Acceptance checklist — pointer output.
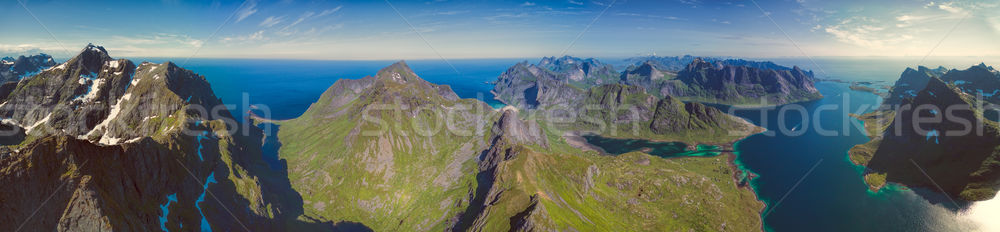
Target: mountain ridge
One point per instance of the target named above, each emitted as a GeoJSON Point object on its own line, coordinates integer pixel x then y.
{"type": "Point", "coordinates": [963, 164]}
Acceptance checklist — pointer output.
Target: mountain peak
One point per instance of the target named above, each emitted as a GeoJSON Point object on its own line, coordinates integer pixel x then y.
{"type": "Point", "coordinates": [91, 58]}
{"type": "Point", "coordinates": [398, 71]}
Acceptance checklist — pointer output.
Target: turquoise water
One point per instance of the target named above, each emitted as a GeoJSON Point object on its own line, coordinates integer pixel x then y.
{"type": "Point", "coordinates": [204, 221]}
{"type": "Point", "coordinates": [165, 210]}
{"type": "Point", "coordinates": [617, 146]}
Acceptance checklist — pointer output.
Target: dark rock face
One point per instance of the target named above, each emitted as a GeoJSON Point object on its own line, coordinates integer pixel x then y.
{"type": "Point", "coordinates": [509, 136]}
{"type": "Point", "coordinates": [71, 98]}
{"type": "Point", "coordinates": [678, 63]}
{"type": "Point", "coordinates": [960, 158]}
{"type": "Point", "coordinates": [645, 75]}
{"type": "Point", "coordinates": [673, 116]}
{"type": "Point", "coordinates": [666, 63]}
{"type": "Point", "coordinates": [911, 82]}
{"type": "Point", "coordinates": [979, 80]}
{"type": "Point", "coordinates": [111, 140]}
{"type": "Point", "coordinates": [734, 84]}
{"type": "Point", "coordinates": [582, 72]}
{"type": "Point", "coordinates": [13, 69]}
{"type": "Point", "coordinates": [527, 86]}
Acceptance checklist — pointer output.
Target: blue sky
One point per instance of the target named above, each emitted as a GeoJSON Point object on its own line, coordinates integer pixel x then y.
{"type": "Point", "coordinates": [432, 29]}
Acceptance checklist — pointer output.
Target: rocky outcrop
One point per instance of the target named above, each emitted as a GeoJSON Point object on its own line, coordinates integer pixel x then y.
{"type": "Point", "coordinates": [980, 81]}
{"type": "Point", "coordinates": [581, 72]}
{"type": "Point", "coordinates": [71, 98]}
{"type": "Point", "coordinates": [911, 82]}
{"type": "Point", "coordinates": [733, 82]}
{"type": "Point", "coordinates": [956, 154]}
{"type": "Point", "coordinates": [704, 81]}
{"type": "Point", "coordinates": [645, 75]}
{"type": "Point", "coordinates": [113, 146]}
{"type": "Point", "coordinates": [14, 69]}
{"type": "Point", "coordinates": [400, 140]}
{"type": "Point", "coordinates": [678, 63]}
{"type": "Point", "coordinates": [509, 136]}
{"type": "Point", "coordinates": [551, 82]}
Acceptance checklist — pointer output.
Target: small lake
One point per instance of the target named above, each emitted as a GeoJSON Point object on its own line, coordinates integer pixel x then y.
{"type": "Point", "coordinates": [616, 146]}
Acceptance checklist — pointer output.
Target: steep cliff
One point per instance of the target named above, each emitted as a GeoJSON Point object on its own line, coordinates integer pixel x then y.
{"type": "Point", "coordinates": [723, 83]}
{"type": "Point", "coordinates": [112, 146]}
{"type": "Point", "coordinates": [937, 139]}
{"type": "Point", "coordinates": [390, 151]}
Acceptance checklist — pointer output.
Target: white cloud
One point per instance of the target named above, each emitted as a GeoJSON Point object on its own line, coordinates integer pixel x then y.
{"type": "Point", "coordinates": [995, 22]}
{"type": "Point", "coordinates": [865, 32]}
{"type": "Point", "coordinates": [301, 19]}
{"type": "Point", "coordinates": [949, 7]}
{"type": "Point", "coordinates": [575, 2]}
{"type": "Point", "coordinates": [329, 11]}
{"type": "Point", "coordinates": [256, 36]}
{"type": "Point", "coordinates": [270, 21]}
{"type": "Point", "coordinates": [21, 49]}
{"type": "Point", "coordinates": [453, 12]}
{"type": "Point", "coordinates": [249, 9]}
{"type": "Point", "coordinates": [158, 39]}
{"type": "Point", "coordinates": [528, 4]}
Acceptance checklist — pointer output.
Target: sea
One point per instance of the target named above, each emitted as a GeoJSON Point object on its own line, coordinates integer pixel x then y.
{"type": "Point", "coordinates": [805, 178]}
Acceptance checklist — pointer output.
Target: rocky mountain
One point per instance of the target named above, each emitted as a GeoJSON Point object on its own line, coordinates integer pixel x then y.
{"type": "Point", "coordinates": [678, 63]}
{"type": "Point", "coordinates": [390, 151]}
{"type": "Point", "coordinates": [649, 77]}
{"type": "Point", "coordinates": [580, 72]}
{"type": "Point", "coordinates": [722, 83]}
{"type": "Point", "coordinates": [958, 154]}
{"type": "Point", "coordinates": [979, 80]}
{"type": "Point", "coordinates": [911, 82]}
{"type": "Point", "coordinates": [13, 69]}
{"type": "Point", "coordinates": [628, 111]}
{"type": "Point", "coordinates": [528, 86]}
{"type": "Point", "coordinates": [109, 145]}
{"type": "Point", "coordinates": [367, 153]}
{"type": "Point", "coordinates": [665, 63]}
{"type": "Point", "coordinates": [732, 82]}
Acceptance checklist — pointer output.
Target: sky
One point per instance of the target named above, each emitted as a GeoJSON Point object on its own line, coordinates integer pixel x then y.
{"type": "Point", "coordinates": [450, 29]}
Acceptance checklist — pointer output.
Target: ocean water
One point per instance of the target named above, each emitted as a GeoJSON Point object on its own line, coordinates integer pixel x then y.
{"type": "Point", "coordinates": [878, 68]}
{"type": "Point", "coordinates": [809, 184]}
{"type": "Point", "coordinates": [286, 88]}
{"type": "Point", "coordinates": [806, 178]}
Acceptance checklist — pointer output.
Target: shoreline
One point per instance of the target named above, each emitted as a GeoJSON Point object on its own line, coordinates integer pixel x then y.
{"type": "Point", "coordinates": [575, 139]}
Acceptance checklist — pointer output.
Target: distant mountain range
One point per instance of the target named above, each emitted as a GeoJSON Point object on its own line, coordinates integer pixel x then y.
{"type": "Point", "coordinates": [678, 63]}
{"type": "Point", "coordinates": [13, 69]}
{"type": "Point", "coordinates": [958, 155]}
{"type": "Point", "coordinates": [733, 82]}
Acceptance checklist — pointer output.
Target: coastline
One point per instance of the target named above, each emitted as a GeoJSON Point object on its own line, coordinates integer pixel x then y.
{"type": "Point", "coordinates": [742, 179]}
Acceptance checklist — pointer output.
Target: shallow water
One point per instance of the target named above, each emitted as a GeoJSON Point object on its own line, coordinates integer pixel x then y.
{"type": "Point", "coordinates": [617, 146]}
